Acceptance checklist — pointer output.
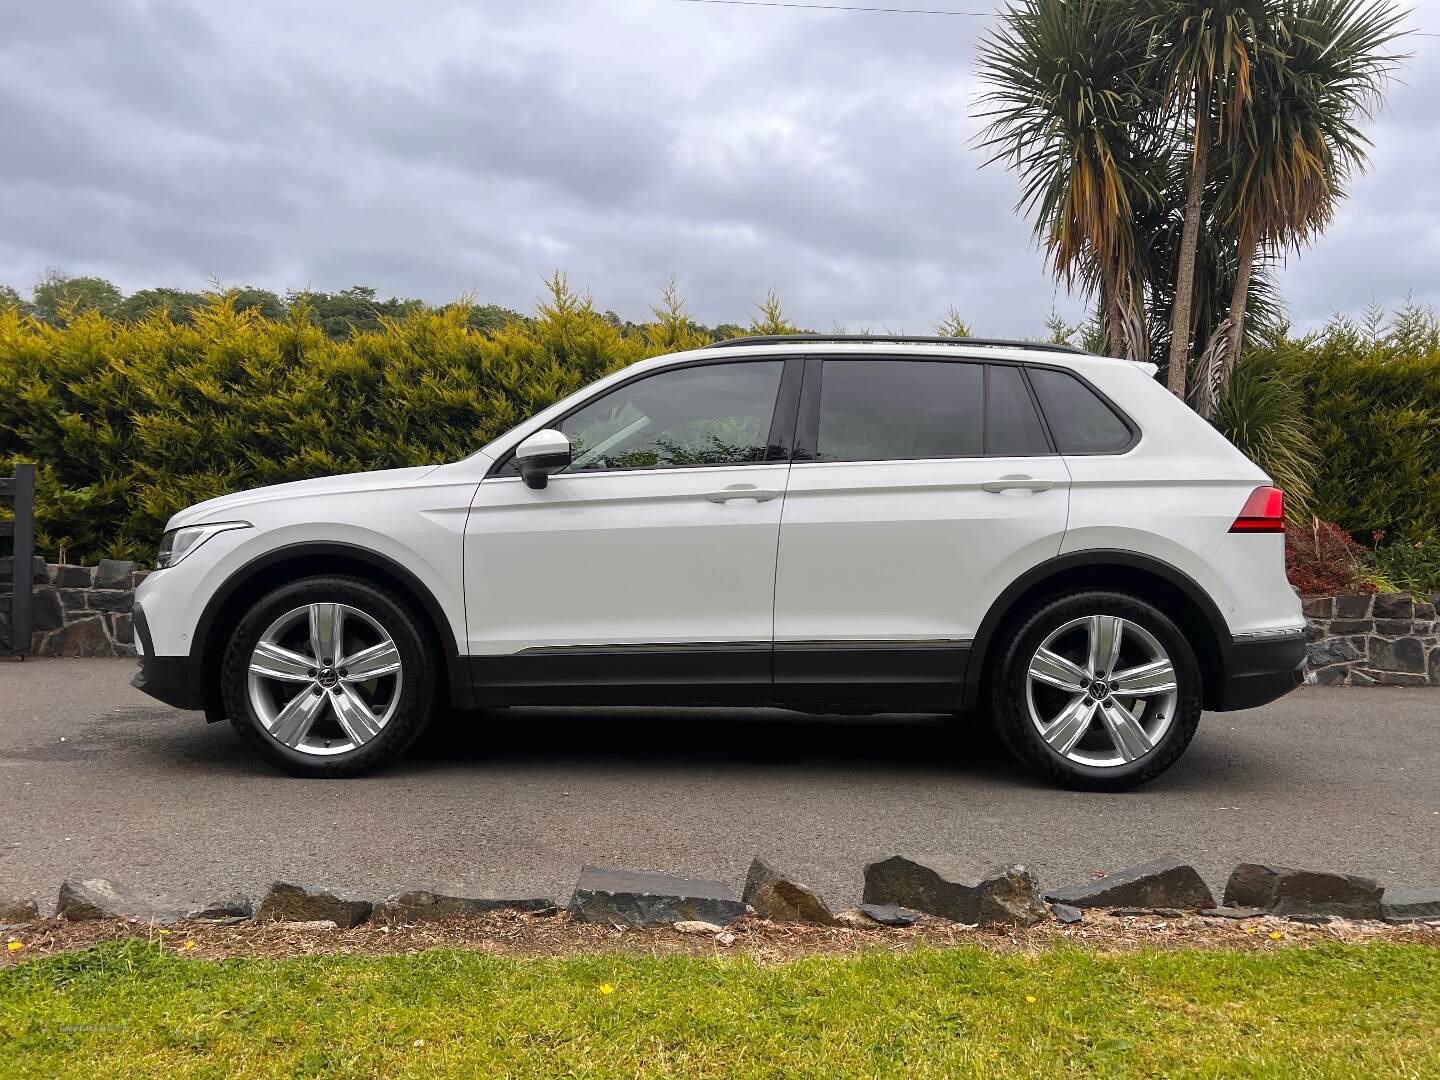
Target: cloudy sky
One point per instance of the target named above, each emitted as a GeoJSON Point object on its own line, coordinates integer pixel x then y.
{"type": "Point", "coordinates": [433, 149]}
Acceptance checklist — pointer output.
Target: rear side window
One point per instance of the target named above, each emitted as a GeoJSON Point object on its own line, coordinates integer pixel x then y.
{"type": "Point", "coordinates": [1080, 420]}
{"type": "Point", "coordinates": [878, 410]}
{"type": "Point", "coordinates": [888, 410]}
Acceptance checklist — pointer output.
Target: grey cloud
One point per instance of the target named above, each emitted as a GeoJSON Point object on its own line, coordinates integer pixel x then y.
{"type": "Point", "coordinates": [445, 148]}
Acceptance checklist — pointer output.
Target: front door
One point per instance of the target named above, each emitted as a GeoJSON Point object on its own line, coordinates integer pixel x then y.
{"type": "Point", "coordinates": [645, 571]}
{"type": "Point", "coordinates": [920, 489]}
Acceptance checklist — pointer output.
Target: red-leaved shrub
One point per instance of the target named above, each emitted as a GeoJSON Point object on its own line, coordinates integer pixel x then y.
{"type": "Point", "coordinates": [1322, 559]}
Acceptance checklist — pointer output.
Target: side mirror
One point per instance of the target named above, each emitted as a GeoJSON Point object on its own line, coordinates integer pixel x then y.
{"type": "Point", "coordinates": [541, 454]}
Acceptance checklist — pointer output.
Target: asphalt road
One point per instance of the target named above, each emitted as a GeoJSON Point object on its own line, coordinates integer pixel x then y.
{"type": "Point", "coordinates": [96, 776]}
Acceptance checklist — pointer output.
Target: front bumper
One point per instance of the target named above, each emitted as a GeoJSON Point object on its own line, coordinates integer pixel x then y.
{"type": "Point", "coordinates": [1260, 670]}
{"type": "Point", "coordinates": [171, 679]}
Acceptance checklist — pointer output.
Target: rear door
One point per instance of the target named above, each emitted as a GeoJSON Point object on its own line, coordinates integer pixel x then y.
{"type": "Point", "coordinates": [920, 488]}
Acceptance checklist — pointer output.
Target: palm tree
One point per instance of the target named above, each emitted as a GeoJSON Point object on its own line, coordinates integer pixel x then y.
{"type": "Point", "coordinates": [1323, 71]}
{"type": "Point", "coordinates": [1064, 109]}
{"type": "Point", "coordinates": [1203, 52]}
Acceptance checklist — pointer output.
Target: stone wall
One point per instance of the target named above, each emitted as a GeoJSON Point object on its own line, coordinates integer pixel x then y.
{"type": "Point", "coordinates": [1364, 639]}
{"type": "Point", "coordinates": [82, 610]}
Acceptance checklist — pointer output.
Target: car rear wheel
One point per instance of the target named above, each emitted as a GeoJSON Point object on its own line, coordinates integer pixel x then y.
{"type": "Point", "coordinates": [329, 676]}
{"type": "Point", "coordinates": [1097, 690]}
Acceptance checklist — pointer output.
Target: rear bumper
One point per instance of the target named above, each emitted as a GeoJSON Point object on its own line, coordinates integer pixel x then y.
{"type": "Point", "coordinates": [1258, 671]}
{"type": "Point", "coordinates": [171, 679]}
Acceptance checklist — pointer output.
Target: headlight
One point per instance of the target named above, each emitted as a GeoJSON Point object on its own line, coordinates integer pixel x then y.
{"type": "Point", "coordinates": [177, 543]}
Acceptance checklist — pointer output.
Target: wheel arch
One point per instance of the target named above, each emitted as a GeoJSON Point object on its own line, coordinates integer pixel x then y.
{"type": "Point", "coordinates": [1171, 590]}
{"type": "Point", "coordinates": [294, 561]}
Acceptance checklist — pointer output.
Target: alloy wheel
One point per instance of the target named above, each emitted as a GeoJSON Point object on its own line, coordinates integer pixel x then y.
{"type": "Point", "coordinates": [325, 678]}
{"type": "Point", "coordinates": [1101, 690]}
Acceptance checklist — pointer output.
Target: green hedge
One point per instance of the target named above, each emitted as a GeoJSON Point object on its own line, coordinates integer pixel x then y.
{"type": "Point", "coordinates": [1375, 419]}
{"type": "Point", "coordinates": [132, 422]}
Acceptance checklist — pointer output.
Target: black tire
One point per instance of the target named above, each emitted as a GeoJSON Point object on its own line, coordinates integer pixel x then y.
{"type": "Point", "coordinates": [417, 689]}
{"type": "Point", "coordinates": [1010, 711]}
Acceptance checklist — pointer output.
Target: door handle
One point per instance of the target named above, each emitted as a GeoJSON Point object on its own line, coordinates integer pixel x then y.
{"type": "Point", "coordinates": [748, 492]}
{"type": "Point", "coordinates": [1017, 482]}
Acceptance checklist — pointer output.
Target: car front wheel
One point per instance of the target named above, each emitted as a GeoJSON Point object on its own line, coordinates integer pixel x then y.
{"type": "Point", "coordinates": [1097, 690]}
{"type": "Point", "coordinates": [328, 676]}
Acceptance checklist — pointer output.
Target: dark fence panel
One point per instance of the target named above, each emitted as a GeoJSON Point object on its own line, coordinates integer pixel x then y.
{"type": "Point", "coordinates": [19, 491]}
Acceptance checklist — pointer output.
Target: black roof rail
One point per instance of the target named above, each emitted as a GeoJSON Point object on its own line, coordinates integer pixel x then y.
{"type": "Point", "coordinates": [890, 339]}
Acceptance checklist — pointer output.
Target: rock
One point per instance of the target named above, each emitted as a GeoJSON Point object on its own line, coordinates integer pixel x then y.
{"type": "Point", "coordinates": [1236, 913]}
{"type": "Point", "coordinates": [1282, 890]}
{"type": "Point", "coordinates": [1435, 667]}
{"type": "Point", "coordinates": [1131, 912]}
{"type": "Point", "coordinates": [1352, 606]}
{"type": "Point", "coordinates": [122, 629]}
{"type": "Point", "coordinates": [775, 896]}
{"type": "Point", "coordinates": [1407, 654]}
{"type": "Point", "coordinates": [84, 899]}
{"type": "Point", "coordinates": [73, 600]}
{"type": "Point", "coordinates": [1408, 905]}
{"type": "Point", "coordinates": [1333, 650]}
{"type": "Point", "coordinates": [114, 574]}
{"type": "Point", "coordinates": [1319, 607]}
{"type": "Point", "coordinates": [1163, 882]}
{"type": "Point", "coordinates": [18, 909]}
{"type": "Point", "coordinates": [74, 577]}
{"type": "Point", "coordinates": [46, 611]}
{"type": "Point", "coordinates": [694, 926]}
{"type": "Point", "coordinates": [1398, 627]}
{"type": "Point", "coordinates": [1066, 914]}
{"type": "Point", "coordinates": [946, 886]}
{"type": "Point", "coordinates": [889, 914]}
{"type": "Point", "coordinates": [1309, 920]}
{"type": "Point", "coordinates": [309, 924]}
{"type": "Point", "coordinates": [290, 903]}
{"type": "Point", "coordinates": [643, 899]}
{"type": "Point", "coordinates": [1393, 605]}
{"type": "Point", "coordinates": [104, 600]}
{"type": "Point", "coordinates": [1424, 609]}
{"type": "Point", "coordinates": [424, 905]}
{"type": "Point", "coordinates": [1397, 678]}
{"type": "Point", "coordinates": [84, 638]}
{"type": "Point", "coordinates": [1330, 676]}
{"type": "Point", "coordinates": [231, 907]}
{"type": "Point", "coordinates": [1352, 626]}
{"type": "Point", "coordinates": [725, 938]}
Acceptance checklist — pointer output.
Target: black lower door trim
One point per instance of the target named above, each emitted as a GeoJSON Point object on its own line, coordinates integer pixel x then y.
{"type": "Point", "coordinates": [899, 675]}
{"type": "Point", "coordinates": [702, 674]}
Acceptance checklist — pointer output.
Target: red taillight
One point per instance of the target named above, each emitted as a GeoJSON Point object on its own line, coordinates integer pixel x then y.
{"type": "Point", "coordinates": [1264, 511]}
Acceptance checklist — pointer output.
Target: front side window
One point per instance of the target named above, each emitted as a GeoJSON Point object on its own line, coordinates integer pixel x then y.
{"type": "Point", "coordinates": [877, 410]}
{"type": "Point", "coordinates": [714, 414]}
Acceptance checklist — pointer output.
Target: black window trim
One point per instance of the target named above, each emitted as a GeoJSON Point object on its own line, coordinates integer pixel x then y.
{"type": "Point", "coordinates": [778, 445]}
{"type": "Point", "coordinates": [808, 430]}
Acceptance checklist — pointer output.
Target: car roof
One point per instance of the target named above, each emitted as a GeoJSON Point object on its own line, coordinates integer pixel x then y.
{"type": "Point", "coordinates": [888, 347]}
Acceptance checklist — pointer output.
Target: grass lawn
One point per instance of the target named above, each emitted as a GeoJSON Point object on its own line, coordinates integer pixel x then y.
{"type": "Point", "coordinates": [137, 1009]}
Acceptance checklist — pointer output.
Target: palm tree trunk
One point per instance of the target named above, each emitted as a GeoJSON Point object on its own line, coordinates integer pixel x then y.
{"type": "Point", "coordinates": [1189, 241]}
{"type": "Point", "coordinates": [1244, 267]}
{"type": "Point", "coordinates": [1114, 320]}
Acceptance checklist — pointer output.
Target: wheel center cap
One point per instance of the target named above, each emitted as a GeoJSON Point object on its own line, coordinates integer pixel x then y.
{"type": "Point", "coordinates": [328, 677]}
{"type": "Point", "coordinates": [1099, 691]}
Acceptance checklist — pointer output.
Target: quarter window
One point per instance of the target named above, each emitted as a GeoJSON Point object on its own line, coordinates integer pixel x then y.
{"type": "Point", "coordinates": [1012, 426]}
{"type": "Point", "coordinates": [1080, 420]}
{"type": "Point", "coordinates": [713, 414]}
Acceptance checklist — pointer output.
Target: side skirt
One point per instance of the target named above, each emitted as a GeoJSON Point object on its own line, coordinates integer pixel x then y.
{"type": "Point", "coordinates": [903, 676]}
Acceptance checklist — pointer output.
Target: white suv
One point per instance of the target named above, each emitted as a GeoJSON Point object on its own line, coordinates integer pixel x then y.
{"type": "Point", "coordinates": [813, 522]}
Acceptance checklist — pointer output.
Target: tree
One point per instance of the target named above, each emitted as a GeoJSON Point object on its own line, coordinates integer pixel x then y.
{"type": "Point", "coordinates": [12, 300]}
{"type": "Point", "coordinates": [177, 304]}
{"type": "Point", "coordinates": [1300, 143]}
{"type": "Point", "coordinates": [1065, 96]}
{"type": "Point", "coordinates": [769, 318]}
{"type": "Point", "coordinates": [58, 298]}
{"type": "Point", "coordinates": [1169, 149]}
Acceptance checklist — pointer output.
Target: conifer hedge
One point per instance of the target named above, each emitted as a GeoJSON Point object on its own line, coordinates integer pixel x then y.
{"type": "Point", "coordinates": [130, 423]}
